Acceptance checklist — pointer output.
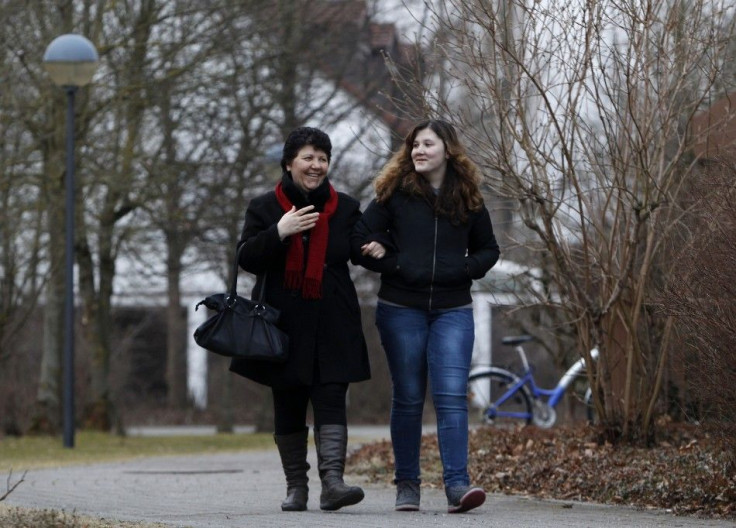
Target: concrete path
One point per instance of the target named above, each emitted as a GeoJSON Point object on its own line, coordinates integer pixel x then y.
{"type": "Point", "coordinates": [246, 489]}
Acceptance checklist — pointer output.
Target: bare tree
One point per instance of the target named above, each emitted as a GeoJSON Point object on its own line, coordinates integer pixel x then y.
{"type": "Point", "coordinates": [111, 139]}
{"type": "Point", "coordinates": [173, 137]}
{"type": "Point", "coordinates": [700, 298]}
{"type": "Point", "coordinates": [21, 229]}
{"type": "Point", "coordinates": [182, 185]}
{"type": "Point", "coordinates": [214, 110]}
{"type": "Point", "coordinates": [278, 72]}
{"type": "Point", "coordinates": [36, 110]}
{"type": "Point", "coordinates": [110, 178]}
{"type": "Point", "coordinates": [146, 172]}
{"type": "Point", "coordinates": [579, 112]}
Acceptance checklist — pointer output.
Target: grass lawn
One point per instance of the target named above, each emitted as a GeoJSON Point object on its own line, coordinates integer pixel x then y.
{"type": "Point", "coordinates": [12, 517]}
{"type": "Point", "coordinates": [34, 452]}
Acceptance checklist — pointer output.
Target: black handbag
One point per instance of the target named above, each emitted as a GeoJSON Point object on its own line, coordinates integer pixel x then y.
{"type": "Point", "coordinates": [242, 328]}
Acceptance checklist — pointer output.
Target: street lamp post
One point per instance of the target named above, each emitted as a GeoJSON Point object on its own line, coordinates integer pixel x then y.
{"type": "Point", "coordinates": [71, 61]}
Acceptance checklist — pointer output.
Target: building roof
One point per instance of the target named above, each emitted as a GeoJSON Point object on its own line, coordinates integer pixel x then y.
{"type": "Point", "coordinates": [358, 62]}
{"type": "Point", "coordinates": [383, 36]}
{"type": "Point", "coordinates": [340, 11]}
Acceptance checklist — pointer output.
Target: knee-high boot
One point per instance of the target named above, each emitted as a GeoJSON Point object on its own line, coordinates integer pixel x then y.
{"type": "Point", "coordinates": [293, 452]}
{"type": "Point", "coordinates": [332, 441]}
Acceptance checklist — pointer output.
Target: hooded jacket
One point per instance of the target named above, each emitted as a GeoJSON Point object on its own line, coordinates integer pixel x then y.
{"type": "Point", "coordinates": [430, 263]}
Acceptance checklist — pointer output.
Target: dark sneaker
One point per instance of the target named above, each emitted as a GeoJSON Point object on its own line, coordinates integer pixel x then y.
{"type": "Point", "coordinates": [463, 498]}
{"type": "Point", "coordinates": [407, 495]}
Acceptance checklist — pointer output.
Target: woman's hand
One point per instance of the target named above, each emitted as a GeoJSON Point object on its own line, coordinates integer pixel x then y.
{"type": "Point", "coordinates": [295, 221]}
{"type": "Point", "coordinates": [373, 249]}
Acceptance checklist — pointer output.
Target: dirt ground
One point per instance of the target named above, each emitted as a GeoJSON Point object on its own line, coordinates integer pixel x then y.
{"type": "Point", "coordinates": [687, 471]}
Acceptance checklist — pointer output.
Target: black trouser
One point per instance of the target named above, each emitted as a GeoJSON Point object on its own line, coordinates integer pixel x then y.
{"type": "Point", "coordinates": [290, 407]}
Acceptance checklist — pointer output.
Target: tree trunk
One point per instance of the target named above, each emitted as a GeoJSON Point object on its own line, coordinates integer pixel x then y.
{"type": "Point", "coordinates": [220, 390]}
{"type": "Point", "coordinates": [47, 412]}
{"type": "Point", "coordinates": [225, 415]}
{"type": "Point", "coordinates": [97, 320]}
{"type": "Point", "coordinates": [176, 347]}
{"type": "Point", "coordinates": [264, 414]}
{"type": "Point", "coordinates": [48, 408]}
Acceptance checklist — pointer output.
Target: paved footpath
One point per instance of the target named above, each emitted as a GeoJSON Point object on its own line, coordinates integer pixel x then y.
{"type": "Point", "coordinates": [246, 489]}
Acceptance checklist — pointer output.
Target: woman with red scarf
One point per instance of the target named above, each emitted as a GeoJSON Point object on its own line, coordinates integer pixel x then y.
{"type": "Point", "coordinates": [296, 239]}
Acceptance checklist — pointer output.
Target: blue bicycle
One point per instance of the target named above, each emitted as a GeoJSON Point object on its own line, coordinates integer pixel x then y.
{"type": "Point", "coordinates": [505, 397]}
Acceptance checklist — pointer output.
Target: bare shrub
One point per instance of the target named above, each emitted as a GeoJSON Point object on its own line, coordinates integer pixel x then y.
{"type": "Point", "coordinates": [701, 297]}
{"type": "Point", "coordinates": [577, 115]}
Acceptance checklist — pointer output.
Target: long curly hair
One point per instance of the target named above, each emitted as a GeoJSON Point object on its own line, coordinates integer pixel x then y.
{"type": "Point", "coordinates": [460, 192]}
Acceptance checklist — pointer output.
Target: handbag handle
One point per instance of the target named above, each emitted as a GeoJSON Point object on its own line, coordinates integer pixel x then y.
{"type": "Point", "coordinates": [233, 293]}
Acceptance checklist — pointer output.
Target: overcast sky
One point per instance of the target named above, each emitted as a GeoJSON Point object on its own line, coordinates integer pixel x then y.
{"type": "Point", "coordinates": [404, 13]}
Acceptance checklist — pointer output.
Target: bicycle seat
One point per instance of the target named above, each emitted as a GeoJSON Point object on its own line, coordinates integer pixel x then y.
{"type": "Point", "coordinates": [516, 340]}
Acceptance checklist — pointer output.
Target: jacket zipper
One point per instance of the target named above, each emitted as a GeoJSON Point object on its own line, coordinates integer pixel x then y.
{"type": "Point", "coordinates": [434, 263]}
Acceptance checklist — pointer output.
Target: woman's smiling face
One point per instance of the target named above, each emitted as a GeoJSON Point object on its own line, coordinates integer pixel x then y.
{"type": "Point", "coordinates": [429, 156]}
{"type": "Point", "coordinates": [309, 168]}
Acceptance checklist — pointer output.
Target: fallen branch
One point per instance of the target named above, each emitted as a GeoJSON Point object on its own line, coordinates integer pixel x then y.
{"type": "Point", "coordinates": [10, 488]}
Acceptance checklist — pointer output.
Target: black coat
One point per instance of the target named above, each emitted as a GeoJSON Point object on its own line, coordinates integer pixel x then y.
{"type": "Point", "coordinates": [430, 262]}
{"type": "Point", "coordinates": [325, 335]}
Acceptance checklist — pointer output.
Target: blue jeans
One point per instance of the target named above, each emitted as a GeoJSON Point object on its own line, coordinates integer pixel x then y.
{"type": "Point", "coordinates": [435, 345]}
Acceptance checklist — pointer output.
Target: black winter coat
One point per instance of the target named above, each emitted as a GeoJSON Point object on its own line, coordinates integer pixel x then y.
{"type": "Point", "coordinates": [326, 341]}
{"type": "Point", "coordinates": [430, 263]}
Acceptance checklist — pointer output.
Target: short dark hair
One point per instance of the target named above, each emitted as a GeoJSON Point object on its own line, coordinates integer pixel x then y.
{"type": "Point", "coordinates": [301, 137]}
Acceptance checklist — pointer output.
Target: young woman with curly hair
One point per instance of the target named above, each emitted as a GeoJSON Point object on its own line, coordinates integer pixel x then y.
{"type": "Point", "coordinates": [429, 234]}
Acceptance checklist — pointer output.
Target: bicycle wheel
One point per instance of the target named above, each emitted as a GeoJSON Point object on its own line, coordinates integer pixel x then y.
{"type": "Point", "coordinates": [488, 393]}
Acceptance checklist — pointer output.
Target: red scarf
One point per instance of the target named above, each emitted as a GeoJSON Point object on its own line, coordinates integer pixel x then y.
{"type": "Point", "coordinates": [295, 277]}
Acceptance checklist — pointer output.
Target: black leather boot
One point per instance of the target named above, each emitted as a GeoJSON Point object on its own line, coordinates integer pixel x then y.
{"type": "Point", "coordinates": [332, 442]}
{"type": "Point", "coordinates": [293, 452]}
